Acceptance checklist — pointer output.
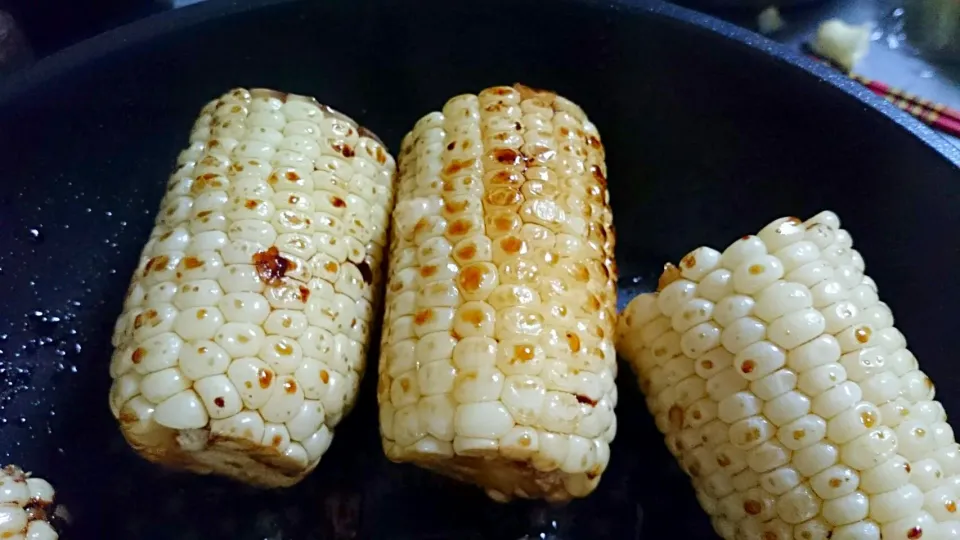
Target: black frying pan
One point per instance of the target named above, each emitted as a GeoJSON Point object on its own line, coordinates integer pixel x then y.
{"type": "Point", "coordinates": [711, 132]}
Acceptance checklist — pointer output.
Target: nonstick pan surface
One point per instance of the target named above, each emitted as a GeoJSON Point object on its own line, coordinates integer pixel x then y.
{"type": "Point", "coordinates": [711, 132]}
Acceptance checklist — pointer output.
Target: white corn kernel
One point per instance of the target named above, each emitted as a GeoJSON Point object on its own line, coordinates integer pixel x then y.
{"type": "Point", "coordinates": [861, 530]}
{"type": "Point", "coordinates": [859, 446]}
{"type": "Point", "coordinates": [498, 333]}
{"type": "Point", "coordinates": [230, 306]}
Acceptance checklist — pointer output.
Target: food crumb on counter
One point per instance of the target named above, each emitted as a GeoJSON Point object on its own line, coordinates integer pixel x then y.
{"type": "Point", "coordinates": [769, 21]}
{"type": "Point", "coordinates": [841, 43]}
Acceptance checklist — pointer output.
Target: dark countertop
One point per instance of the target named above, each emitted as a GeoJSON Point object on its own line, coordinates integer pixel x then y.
{"type": "Point", "coordinates": [890, 59]}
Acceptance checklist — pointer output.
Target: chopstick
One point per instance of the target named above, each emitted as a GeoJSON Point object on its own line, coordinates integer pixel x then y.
{"type": "Point", "coordinates": [936, 115]}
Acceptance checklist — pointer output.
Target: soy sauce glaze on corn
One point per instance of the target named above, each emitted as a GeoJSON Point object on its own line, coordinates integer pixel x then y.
{"type": "Point", "coordinates": [244, 333]}
{"type": "Point", "coordinates": [26, 506]}
{"type": "Point", "coordinates": [789, 397]}
{"type": "Point", "coordinates": [497, 364]}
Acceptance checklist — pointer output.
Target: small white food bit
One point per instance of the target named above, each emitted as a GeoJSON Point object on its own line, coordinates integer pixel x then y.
{"type": "Point", "coordinates": [844, 45]}
{"type": "Point", "coordinates": [497, 362]}
{"type": "Point", "coordinates": [247, 322]}
{"type": "Point", "coordinates": [810, 398]}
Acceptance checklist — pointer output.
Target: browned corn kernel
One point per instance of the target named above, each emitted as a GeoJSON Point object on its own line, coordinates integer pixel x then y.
{"type": "Point", "coordinates": [497, 364]}
{"type": "Point", "coordinates": [244, 334]}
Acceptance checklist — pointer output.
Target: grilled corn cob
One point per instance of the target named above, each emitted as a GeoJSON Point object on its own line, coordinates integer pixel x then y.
{"type": "Point", "coordinates": [789, 397]}
{"type": "Point", "coordinates": [24, 504]}
{"type": "Point", "coordinates": [244, 332]}
{"type": "Point", "coordinates": [497, 364]}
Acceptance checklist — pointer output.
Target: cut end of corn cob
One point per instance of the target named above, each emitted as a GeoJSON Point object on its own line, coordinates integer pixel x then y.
{"type": "Point", "coordinates": [497, 364]}
{"type": "Point", "coordinates": [245, 329]}
{"type": "Point", "coordinates": [789, 397]}
{"type": "Point", "coordinates": [26, 506]}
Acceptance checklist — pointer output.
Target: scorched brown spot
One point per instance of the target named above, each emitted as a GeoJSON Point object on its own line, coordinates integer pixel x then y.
{"type": "Point", "coordinates": [503, 223]}
{"type": "Point", "coordinates": [304, 293]}
{"type": "Point", "coordinates": [467, 252]}
{"type": "Point", "coordinates": [138, 354]}
{"type": "Point", "coordinates": [343, 149]}
{"type": "Point", "coordinates": [422, 225]}
{"type": "Point", "coordinates": [337, 202]}
{"type": "Point", "coordinates": [455, 207]}
{"type": "Point", "coordinates": [458, 165]}
{"type": "Point", "coordinates": [504, 196]}
{"type": "Point", "coordinates": [506, 177]}
{"type": "Point", "coordinates": [292, 176]}
{"type": "Point", "coordinates": [192, 262]}
{"type": "Point", "coordinates": [598, 175]}
{"type": "Point", "coordinates": [580, 273]}
{"type": "Point", "coordinates": [523, 353]}
{"type": "Point", "coordinates": [460, 227]}
{"type": "Point", "coordinates": [512, 245]}
{"type": "Point", "coordinates": [271, 267]}
{"type": "Point", "coordinates": [219, 402]}
{"type": "Point", "coordinates": [675, 415]}
{"type": "Point", "coordinates": [586, 400]}
{"type": "Point", "coordinates": [290, 386]}
{"type": "Point", "coordinates": [507, 156]}
{"type": "Point", "coordinates": [156, 264]}
{"type": "Point", "coordinates": [264, 377]}
{"type": "Point", "coordinates": [422, 317]}
{"type": "Point", "coordinates": [470, 278]}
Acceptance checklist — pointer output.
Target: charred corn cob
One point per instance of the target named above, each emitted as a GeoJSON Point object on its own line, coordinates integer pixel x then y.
{"type": "Point", "coordinates": [24, 505]}
{"type": "Point", "coordinates": [244, 332]}
{"type": "Point", "coordinates": [789, 397]}
{"type": "Point", "coordinates": [497, 364]}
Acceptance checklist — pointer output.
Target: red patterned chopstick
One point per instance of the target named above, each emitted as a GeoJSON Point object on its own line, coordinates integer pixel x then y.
{"type": "Point", "coordinates": [886, 90]}
{"type": "Point", "coordinates": [935, 115]}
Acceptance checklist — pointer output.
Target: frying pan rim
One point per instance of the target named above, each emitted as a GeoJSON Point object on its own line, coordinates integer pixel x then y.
{"type": "Point", "coordinates": [19, 84]}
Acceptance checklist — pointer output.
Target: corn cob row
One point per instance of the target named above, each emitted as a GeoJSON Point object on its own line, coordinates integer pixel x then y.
{"type": "Point", "coordinates": [789, 397]}
{"type": "Point", "coordinates": [244, 332]}
{"type": "Point", "coordinates": [24, 501]}
{"type": "Point", "coordinates": [497, 364]}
